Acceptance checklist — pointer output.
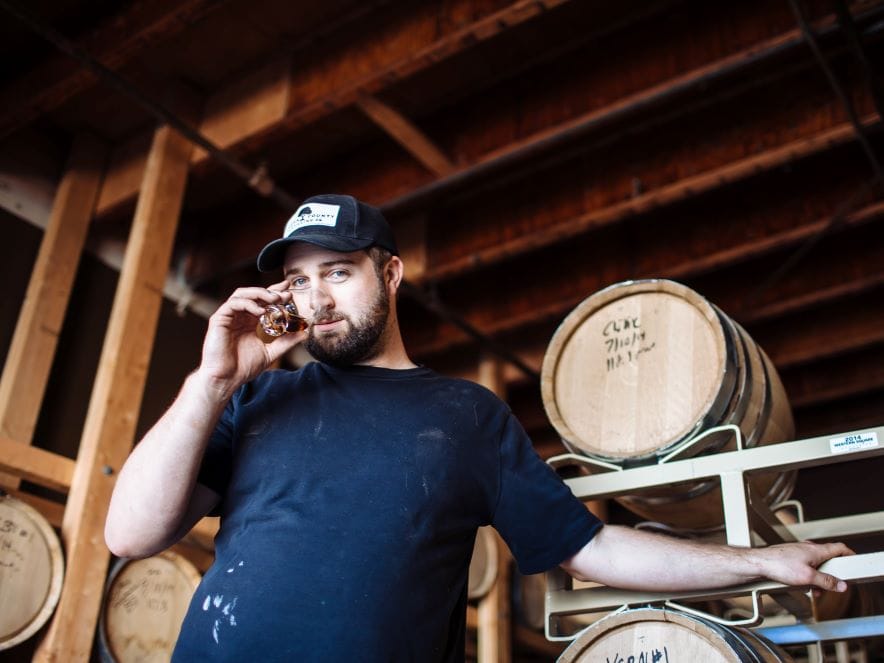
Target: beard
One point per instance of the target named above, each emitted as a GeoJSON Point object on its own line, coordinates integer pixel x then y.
{"type": "Point", "coordinates": [361, 343]}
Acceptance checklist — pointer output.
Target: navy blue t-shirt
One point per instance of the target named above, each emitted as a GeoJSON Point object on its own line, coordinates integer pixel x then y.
{"type": "Point", "coordinates": [350, 503]}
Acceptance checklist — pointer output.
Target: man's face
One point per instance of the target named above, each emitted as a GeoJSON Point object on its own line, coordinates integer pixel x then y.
{"type": "Point", "coordinates": [346, 300]}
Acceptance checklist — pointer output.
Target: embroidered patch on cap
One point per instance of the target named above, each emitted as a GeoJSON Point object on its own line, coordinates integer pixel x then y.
{"type": "Point", "coordinates": [312, 214]}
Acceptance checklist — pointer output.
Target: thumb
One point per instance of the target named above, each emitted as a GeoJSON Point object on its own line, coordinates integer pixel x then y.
{"type": "Point", "coordinates": [828, 582]}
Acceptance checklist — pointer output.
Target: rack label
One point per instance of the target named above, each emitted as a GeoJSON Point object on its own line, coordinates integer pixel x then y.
{"type": "Point", "coordinates": [854, 442]}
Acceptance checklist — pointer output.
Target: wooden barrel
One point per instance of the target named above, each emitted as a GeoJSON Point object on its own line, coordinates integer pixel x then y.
{"type": "Point", "coordinates": [31, 571]}
{"type": "Point", "coordinates": [484, 564]}
{"type": "Point", "coordinates": [642, 366]}
{"type": "Point", "coordinates": [652, 634]}
{"type": "Point", "coordinates": [144, 605]}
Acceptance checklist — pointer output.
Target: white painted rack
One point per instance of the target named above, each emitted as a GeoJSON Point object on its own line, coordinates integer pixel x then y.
{"type": "Point", "coordinates": [747, 520]}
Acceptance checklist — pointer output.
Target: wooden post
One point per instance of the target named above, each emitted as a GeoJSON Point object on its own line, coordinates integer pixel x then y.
{"type": "Point", "coordinates": [28, 363]}
{"type": "Point", "coordinates": [411, 236]}
{"type": "Point", "coordinates": [495, 623]}
{"type": "Point", "coordinates": [116, 397]}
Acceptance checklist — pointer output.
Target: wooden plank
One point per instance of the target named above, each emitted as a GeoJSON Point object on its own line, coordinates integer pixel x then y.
{"type": "Point", "coordinates": [34, 342]}
{"type": "Point", "coordinates": [404, 132]}
{"type": "Point", "coordinates": [835, 379]}
{"type": "Point", "coordinates": [844, 326]}
{"type": "Point", "coordinates": [247, 107]}
{"type": "Point", "coordinates": [494, 626]}
{"type": "Point", "coordinates": [564, 134]}
{"type": "Point", "coordinates": [553, 299]}
{"type": "Point", "coordinates": [639, 84]}
{"type": "Point", "coordinates": [114, 43]}
{"type": "Point", "coordinates": [494, 611]}
{"type": "Point", "coordinates": [116, 396]}
{"type": "Point", "coordinates": [714, 178]}
{"type": "Point", "coordinates": [124, 173]}
{"type": "Point", "coordinates": [396, 60]}
{"type": "Point", "coordinates": [34, 464]}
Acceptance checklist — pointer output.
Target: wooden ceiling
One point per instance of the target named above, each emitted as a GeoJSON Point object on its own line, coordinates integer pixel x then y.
{"type": "Point", "coordinates": [528, 153]}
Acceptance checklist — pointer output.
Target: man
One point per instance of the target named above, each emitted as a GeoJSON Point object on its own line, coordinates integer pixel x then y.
{"type": "Point", "coordinates": [350, 490]}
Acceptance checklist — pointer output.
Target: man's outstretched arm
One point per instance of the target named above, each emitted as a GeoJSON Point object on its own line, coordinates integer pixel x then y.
{"type": "Point", "coordinates": [631, 559]}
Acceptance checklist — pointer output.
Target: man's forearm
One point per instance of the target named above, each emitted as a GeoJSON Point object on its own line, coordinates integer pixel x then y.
{"type": "Point", "coordinates": [154, 487]}
{"type": "Point", "coordinates": [630, 559]}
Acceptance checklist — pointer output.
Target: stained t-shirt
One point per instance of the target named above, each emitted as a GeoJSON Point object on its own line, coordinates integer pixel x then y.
{"type": "Point", "coordinates": [350, 503]}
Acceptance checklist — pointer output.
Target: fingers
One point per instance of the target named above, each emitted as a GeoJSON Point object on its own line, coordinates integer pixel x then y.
{"type": "Point", "coordinates": [280, 287]}
{"type": "Point", "coordinates": [254, 300]}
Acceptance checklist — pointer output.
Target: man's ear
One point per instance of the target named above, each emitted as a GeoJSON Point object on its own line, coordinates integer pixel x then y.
{"type": "Point", "coordinates": [393, 272]}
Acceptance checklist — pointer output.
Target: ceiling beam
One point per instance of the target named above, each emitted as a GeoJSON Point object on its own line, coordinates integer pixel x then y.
{"type": "Point", "coordinates": [528, 150]}
{"type": "Point", "coordinates": [649, 97]}
{"type": "Point", "coordinates": [402, 54]}
{"type": "Point", "coordinates": [841, 378]}
{"type": "Point", "coordinates": [679, 190]}
{"type": "Point", "coordinates": [496, 314]}
{"type": "Point", "coordinates": [114, 43]}
{"type": "Point", "coordinates": [404, 132]}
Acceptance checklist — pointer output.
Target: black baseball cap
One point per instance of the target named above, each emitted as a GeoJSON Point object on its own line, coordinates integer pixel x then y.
{"type": "Point", "coordinates": [333, 221]}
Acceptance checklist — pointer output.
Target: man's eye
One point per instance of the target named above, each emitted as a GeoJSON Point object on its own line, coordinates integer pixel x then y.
{"type": "Point", "coordinates": [338, 274]}
{"type": "Point", "coordinates": [299, 283]}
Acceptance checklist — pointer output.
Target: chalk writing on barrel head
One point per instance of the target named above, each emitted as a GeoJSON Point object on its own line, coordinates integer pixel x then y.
{"type": "Point", "coordinates": [625, 341]}
{"type": "Point", "coordinates": [648, 656]}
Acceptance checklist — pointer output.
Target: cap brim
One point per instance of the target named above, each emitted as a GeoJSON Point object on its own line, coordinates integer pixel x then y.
{"type": "Point", "coordinates": [272, 256]}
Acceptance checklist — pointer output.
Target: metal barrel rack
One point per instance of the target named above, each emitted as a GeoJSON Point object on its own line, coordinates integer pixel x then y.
{"type": "Point", "coordinates": [749, 521]}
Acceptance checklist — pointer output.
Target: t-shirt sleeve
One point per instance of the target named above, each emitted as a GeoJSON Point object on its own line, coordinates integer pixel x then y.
{"type": "Point", "coordinates": [217, 464]}
{"type": "Point", "coordinates": [536, 513]}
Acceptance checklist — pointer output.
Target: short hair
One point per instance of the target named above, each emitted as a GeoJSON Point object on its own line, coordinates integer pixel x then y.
{"type": "Point", "coordinates": [379, 257]}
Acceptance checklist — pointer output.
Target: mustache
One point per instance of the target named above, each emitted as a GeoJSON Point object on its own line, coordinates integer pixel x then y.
{"type": "Point", "coordinates": [324, 316]}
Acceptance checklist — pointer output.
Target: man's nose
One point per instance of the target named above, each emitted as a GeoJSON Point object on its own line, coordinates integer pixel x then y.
{"type": "Point", "coordinates": [320, 299]}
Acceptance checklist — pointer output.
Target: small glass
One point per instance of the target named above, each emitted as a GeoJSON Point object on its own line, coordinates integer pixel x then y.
{"type": "Point", "coordinates": [279, 319]}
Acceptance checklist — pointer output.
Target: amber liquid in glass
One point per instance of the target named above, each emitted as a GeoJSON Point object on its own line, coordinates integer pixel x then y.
{"type": "Point", "coordinates": [278, 320]}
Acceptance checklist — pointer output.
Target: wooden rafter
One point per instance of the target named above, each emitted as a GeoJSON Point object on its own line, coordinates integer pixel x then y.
{"type": "Point", "coordinates": [597, 121]}
{"type": "Point", "coordinates": [114, 43]}
{"type": "Point", "coordinates": [116, 397]}
{"type": "Point", "coordinates": [404, 132]}
{"type": "Point", "coordinates": [37, 465]}
{"type": "Point", "coordinates": [665, 195]}
{"type": "Point", "coordinates": [278, 85]}
{"type": "Point", "coordinates": [29, 361]}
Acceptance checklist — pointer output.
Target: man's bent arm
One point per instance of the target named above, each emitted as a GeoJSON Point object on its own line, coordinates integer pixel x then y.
{"type": "Point", "coordinates": [156, 499]}
{"type": "Point", "coordinates": [631, 559]}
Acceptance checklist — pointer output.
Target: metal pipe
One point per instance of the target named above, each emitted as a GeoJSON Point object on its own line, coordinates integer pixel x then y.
{"type": "Point", "coordinates": [836, 86]}
{"type": "Point", "coordinates": [854, 41]}
{"type": "Point", "coordinates": [257, 178]}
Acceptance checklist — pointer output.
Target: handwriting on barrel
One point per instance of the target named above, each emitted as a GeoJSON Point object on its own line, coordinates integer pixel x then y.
{"type": "Point", "coordinates": [625, 341]}
{"type": "Point", "coordinates": [145, 593]}
{"type": "Point", "coordinates": [648, 656]}
{"type": "Point", "coordinates": [11, 536]}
